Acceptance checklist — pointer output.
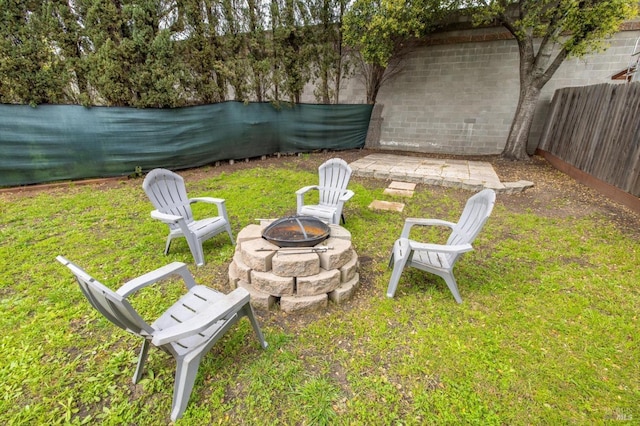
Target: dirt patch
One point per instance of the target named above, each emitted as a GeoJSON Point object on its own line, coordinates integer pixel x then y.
{"type": "Point", "coordinates": [557, 195]}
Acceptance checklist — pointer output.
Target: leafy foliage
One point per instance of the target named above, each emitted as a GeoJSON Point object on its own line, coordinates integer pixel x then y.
{"type": "Point", "coordinates": [30, 70]}
{"type": "Point", "coordinates": [144, 53]}
{"type": "Point", "coordinates": [578, 27]}
{"type": "Point", "coordinates": [381, 31]}
{"type": "Point", "coordinates": [326, 38]}
{"type": "Point", "coordinates": [547, 32]}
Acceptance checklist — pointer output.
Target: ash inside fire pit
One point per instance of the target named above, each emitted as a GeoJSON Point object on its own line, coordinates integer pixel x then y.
{"type": "Point", "coordinates": [296, 231]}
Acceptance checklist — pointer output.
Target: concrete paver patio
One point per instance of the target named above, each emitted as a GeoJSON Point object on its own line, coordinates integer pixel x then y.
{"type": "Point", "coordinates": [472, 175]}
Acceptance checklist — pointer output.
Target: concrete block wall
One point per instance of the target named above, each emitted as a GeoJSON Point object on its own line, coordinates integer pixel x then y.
{"type": "Point", "coordinates": [458, 93]}
{"type": "Point", "coordinates": [451, 99]}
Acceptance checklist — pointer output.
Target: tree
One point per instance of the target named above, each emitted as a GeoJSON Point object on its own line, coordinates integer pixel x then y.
{"type": "Point", "coordinates": [381, 32]}
{"type": "Point", "coordinates": [123, 58]}
{"type": "Point", "coordinates": [258, 48]}
{"type": "Point", "coordinates": [291, 54]}
{"type": "Point", "coordinates": [547, 32]}
{"type": "Point", "coordinates": [202, 48]}
{"type": "Point", "coordinates": [329, 58]}
{"type": "Point", "coordinates": [30, 69]}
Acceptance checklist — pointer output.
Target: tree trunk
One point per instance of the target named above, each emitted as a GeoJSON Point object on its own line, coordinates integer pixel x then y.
{"type": "Point", "coordinates": [516, 147]}
{"type": "Point", "coordinates": [324, 87]}
{"type": "Point", "coordinates": [376, 74]}
{"type": "Point", "coordinates": [536, 69]}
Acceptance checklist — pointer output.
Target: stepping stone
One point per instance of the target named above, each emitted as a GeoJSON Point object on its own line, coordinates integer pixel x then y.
{"type": "Point", "coordinates": [386, 205]}
{"type": "Point", "coordinates": [403, 189]}
{"type": "Point", "coordinates": [398, 192]}
{"type": "Point", "coordinates": [407, 186]}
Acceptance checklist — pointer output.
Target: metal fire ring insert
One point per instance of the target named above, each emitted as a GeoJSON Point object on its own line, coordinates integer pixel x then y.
{"type": "Point", "coordinates": [296, 231]}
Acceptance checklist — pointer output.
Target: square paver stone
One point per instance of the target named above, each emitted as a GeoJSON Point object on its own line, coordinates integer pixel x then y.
{"type": "Point", "coordinates": [399, 192]}
{"type": "Point", "coordinates": [386, 205]}
{"type": "Point", "coordinates": [406, 186]}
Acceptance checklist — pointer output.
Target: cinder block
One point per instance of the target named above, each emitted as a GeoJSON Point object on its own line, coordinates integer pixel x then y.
{"type": "Point", "coordinates": [321, 283]}
{"type": "Point", "coordinates": [240, 270]}
{"type": "Point", "coordinates": [267, 282]}
{"type": "Point", "coordinates": [308, 303]}
{"type": "Point", "coordinates": [258, 253]}
{"type": "Point", "coordinates": [295, 264]}
{"type": "Point", "coordinates": [349, 270]}
{"type": "Point", "coordinates": [345, 291]}
{"type": "Point", "coordinates": [338, 254]}
{"type": "Point", "coordinates": [250, 232]}
{"type": "Point", "coordinates": [257, 298]}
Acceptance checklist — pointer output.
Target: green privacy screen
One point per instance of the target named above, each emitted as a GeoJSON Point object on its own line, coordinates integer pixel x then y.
{"type": "Point", "coordinates": [62, 142]}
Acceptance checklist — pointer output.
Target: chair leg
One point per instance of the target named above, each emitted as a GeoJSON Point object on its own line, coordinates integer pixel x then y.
{"type": "Point", "coordinates": [248, 311]}
{"type": "Point", "coordinates": [228, 228]}
{"type": "Point", "coordinates": [401, 252]}
{"type": "Point", "coordinates": [186, 371]}
{"type": "Point", "coordinates": [453, 286]}
{"type": "Point", "coordinates": [166, 248]}
{"type": "Point", "coordinates": [199, 256]}
{"type": "Point", "coordinates": [142, 358]}
{"type": "Point", "coordinates": [195, 246]}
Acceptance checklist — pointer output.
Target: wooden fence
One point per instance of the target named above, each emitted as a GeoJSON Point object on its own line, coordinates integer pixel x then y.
{"type": "Point", "coordinates": [596, 129]}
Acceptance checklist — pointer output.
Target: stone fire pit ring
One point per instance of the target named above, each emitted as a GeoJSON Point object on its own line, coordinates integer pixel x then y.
{"type": "Point", "coordinates": [295, 278]}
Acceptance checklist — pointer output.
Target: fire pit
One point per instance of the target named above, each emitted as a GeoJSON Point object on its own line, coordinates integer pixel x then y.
{"type": "Point", "coordinates": [297, 262]}
{"type": "Point", "coordinates": [296, 231]}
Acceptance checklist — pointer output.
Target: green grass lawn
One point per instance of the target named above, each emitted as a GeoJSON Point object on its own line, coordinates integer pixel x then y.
{"type": "Point", "coordinates": [547, 333]}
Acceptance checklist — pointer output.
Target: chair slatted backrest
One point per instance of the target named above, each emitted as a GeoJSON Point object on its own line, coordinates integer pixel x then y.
{"type": "Point", "coordinates": [110, 304]}
{"type": "Point", "coordinates": [475, 214]}
{"type": "Point", "coordinates": [168, 194]}
{"type": "Point", "coordinates": [334, 177]}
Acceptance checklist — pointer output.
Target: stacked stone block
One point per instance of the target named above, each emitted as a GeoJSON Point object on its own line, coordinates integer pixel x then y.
{"type": "Point", "coordinates": [300, 278]}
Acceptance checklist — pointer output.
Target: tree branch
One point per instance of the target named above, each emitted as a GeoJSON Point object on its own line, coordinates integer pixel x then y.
{"type": "Point", "coordinates": [551, 69]}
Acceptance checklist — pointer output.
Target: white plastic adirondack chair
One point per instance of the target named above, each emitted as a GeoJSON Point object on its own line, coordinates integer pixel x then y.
{"type": "Point", "coordinates": [186, 331]}
{"type": "Point", "coordinates": [439, 259]}
{"type": "Point", "coordinates": [334, 177]}
{"type": "Point", "coordinates": [167, 192]}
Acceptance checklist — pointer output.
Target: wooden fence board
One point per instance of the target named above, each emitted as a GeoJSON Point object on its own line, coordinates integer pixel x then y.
{"type": "Point", "coordinates": [597, 130]}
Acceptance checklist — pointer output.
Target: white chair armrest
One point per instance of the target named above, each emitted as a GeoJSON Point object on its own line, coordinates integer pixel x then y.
{"type": "Point", "coordinates": [222, 308]}
{"type": "Point", "coordinates": [412, 221]}
{"type": "Point", "coordinates": [307, 189]}
{"type": "Point", "coordinates": [219, 202]}
{"type": "Point", "coordinates": [171, 219]}
{"type": "Point", "coordinates": [346, 195]}
{"type": "Point", "coordinates": [209, 200]}
{"type": "Point", "coordinates": [175, 268]}
{"type": "Point", "coordinates": [166, 218]}
{"type": "Point", "coordinates": [440, 248]}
